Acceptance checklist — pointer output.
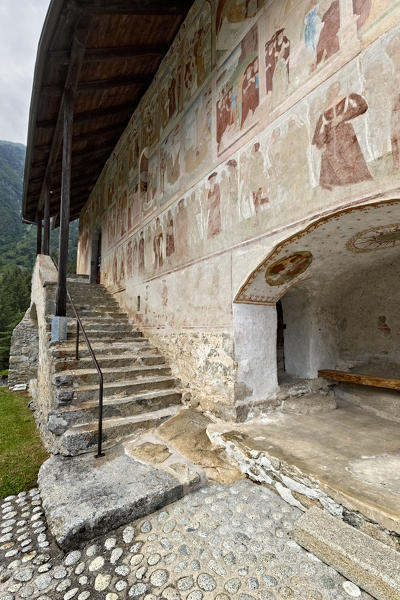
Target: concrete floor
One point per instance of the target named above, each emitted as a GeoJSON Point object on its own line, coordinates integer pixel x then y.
{"type": "Point", "coordinates": [354, 455]}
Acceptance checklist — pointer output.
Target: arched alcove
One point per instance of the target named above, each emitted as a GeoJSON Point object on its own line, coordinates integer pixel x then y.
{"type": "Point", "coordinates": [336, 282]}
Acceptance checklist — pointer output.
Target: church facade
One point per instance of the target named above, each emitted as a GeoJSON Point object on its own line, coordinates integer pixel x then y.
{"type": "Point", "coordinates": [248, 218]}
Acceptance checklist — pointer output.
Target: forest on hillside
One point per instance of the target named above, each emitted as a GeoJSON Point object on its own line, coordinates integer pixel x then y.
{"type": "Point", "coordinates": [18, 246]}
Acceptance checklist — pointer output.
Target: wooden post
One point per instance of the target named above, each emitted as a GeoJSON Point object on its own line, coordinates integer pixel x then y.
{"type": "Point", "coordinates": [39, 233]}
{"type": "Point", "coordinates": [61, 296]}
{"type": "Point", "coordinates": [46, 232]}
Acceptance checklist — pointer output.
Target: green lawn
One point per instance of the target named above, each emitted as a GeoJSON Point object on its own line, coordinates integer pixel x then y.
{"type": "Point", "coordinates": [21, 450]}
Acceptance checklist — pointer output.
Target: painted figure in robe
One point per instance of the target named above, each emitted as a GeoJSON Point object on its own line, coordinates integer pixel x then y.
{"type": "Point", "coordinates": [276, 49]}
{"type": "Point", "coordinates": [342, 161]}
{"type": "Point", "coordinates": [214, 207]}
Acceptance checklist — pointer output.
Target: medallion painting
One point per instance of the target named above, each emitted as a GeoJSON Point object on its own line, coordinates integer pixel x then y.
{"type": "Point", "coordinates": [238, 91]}
{"type": "Point", "coordinates": [376, 238]}
{"type": "Point", "coordinates": [286, 269]}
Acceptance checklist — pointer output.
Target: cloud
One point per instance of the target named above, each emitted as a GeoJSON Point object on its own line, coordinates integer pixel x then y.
{"type": "Point", "coordinates": [21, 24]}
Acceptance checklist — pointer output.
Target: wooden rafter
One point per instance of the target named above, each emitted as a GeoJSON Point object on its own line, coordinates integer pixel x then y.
{"type": "Point", "coordinates": [112, 53]}
{"type": "Point", "coordinates": [134, 7]}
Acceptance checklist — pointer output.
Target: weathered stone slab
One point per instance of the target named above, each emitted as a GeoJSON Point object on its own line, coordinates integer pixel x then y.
{"type": "Point", "coordinates": [367, 562]}
{"type": "Point", "coordinates": [84, 497]}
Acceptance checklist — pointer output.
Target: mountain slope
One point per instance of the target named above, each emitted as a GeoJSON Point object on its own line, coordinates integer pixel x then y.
{"type": "Point", "coordinates": [18, 240]}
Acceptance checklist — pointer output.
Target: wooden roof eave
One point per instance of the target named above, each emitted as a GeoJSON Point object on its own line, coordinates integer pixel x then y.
{"type": "Point", "coordinates": [53, 15]}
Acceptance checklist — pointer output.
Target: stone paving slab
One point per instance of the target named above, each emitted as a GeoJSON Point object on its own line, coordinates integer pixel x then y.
{"type": "Point", "coordinates": [84, 496]}
{"type": "Point", "coordinates": [371, 564]}
{"type": "Point", "coordinates": [221, 542]}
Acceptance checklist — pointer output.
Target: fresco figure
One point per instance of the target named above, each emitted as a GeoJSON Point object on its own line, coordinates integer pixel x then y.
{"type": "Point", "coordinates": [129, 260]}
{"type": "Point", "coordinates": [361, 9]}
{"type": "Point", "coordinates": [214, 207]}
{"type": "Point", "coordinates": [115, 269]}
{"type": "Point", "coordinates": [122, 265]}
{"type": "Point", "coordinates": [172, 103]}
{"type": "Point", "coordinates": [141, 253]}
{"type": "Point", "coordinates": [250, 90]}
{"type": "Point", "coordinates": [170, 241]}
{"type": "Point", "coordinates": [328, 43]}
{"type": "Point", "coordinates": [276, 49]}
{"type": "Point", "coordinates": [181, 230]}
{"type": "Point", "coordinates": [312, 27]}
{"type": "Point", "coordinates": [342, 161]}
{"type": "Point", "coordinates": [158, 245]}
{"type": "Point", "coordinates": [395, 137]}
{"type": "Point", "coordinates": [235, 11]}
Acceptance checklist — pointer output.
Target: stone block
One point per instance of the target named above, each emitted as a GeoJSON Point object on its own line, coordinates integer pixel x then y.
{"type": "Point", "coordinates": [84, 497]}
{"type": "Point", "coordinates": [363, 560]}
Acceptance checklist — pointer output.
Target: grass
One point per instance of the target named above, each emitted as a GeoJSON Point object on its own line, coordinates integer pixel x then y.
{"type": "Point", "coordinates": [21, 450]}
{"type": "Point", "coordinates": [5, 372]}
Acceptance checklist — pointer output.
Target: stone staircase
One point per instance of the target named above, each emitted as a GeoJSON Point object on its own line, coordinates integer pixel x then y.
{"type": "Point", "coordinates": [139, 391]}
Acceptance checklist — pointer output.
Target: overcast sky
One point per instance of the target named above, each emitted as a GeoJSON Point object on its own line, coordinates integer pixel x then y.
{"type": "Point", "coordinates": [21, 23]}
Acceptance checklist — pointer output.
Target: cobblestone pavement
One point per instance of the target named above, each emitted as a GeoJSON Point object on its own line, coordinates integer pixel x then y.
{"type": "Point", "coordinates": [221, 542]}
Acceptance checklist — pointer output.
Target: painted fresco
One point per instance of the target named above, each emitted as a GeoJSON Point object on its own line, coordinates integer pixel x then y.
{"type": "Point", "coordinates": [197, 51]}
{"type": "Point", "coordinates": [337, 142]}
{"type": "Point", "coordinates": [149, 183]}
{"type": "Point", "coordinates": [300, 37]}
{"type": "Point", "coordinates": [285, 269]}
{"type": "Point", "coordinates": [230, 18]}
{"type": "Point", "coordinates": [150, 123]}
{"type": "Point", "coordinates": [375, 238]}
{"type": "Point", "coordinates": [342, 160]}
{"type": "Point", "coordinates": [171, 164]}
{"type": "Point", "coordinates": [134, 212]}
{"type": "Point", "coordinates": [238, 91]}
{"type": "Point", "coordinates": [197, 134]}
{"type": "Point", "coordinates": [169, 96]}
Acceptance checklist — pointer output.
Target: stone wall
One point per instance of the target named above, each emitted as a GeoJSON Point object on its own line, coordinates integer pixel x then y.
{"type": "Point", "coordinates": [230, 151]}
{"type": "Point", "coordinates": [24, 351]}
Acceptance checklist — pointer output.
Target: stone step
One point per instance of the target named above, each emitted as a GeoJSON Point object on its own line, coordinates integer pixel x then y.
{"type": "Point", "coordinates": [87, 412]}
{"type": "Point", "coordinates": [365, 561]}
{"type": "Point", "coordinates": [108, 361]}
{"type": "Point", "coordinates": [81, 438]}
{"type": "Point", "coordinates": [94, 325]}
{"type": "Point", "coordinates": [107, 314]}
{"type": "Point", "coordinates": [109, 349]}
{"type": "Point", "coordinates": [84, 496]}
{"type": "Point", "coordinates": [107, 336]}
{"type": "Point", "coordinates": [114, 374]}
{"type": "Point", "coordinates": [124, 388]}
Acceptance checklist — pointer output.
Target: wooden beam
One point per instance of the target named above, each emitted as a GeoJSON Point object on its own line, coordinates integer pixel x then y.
{"type": "Point", "coordinates": [68, 115]}
{"type": "Point", "coordinates": [78, 157]}
{"type": "Point", "coordinates": [92, 115]}
{"type": "Point", "coordinates": [135, 7]}
{"type": "Point", "coordinates": [71, 83]}
{"type": "Point", "coordinates": [112, 53]}
{"type": "Point", "coordinates": [102, 84]}
{"type": "Point", "coordinates": [46, 233]}
{"type": "Point", "coordinates": [39, 233]}
{"type": "Point", "coordinates": [95, 134]}
{"type": "Point", "coordinates": [343, 376]}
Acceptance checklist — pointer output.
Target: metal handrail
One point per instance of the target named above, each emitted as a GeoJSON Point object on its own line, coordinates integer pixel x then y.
{"type": "Point", "coordinates": [79, 325]}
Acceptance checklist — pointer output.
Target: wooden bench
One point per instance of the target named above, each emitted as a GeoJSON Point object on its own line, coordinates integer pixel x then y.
{"type": "Point", "coordinates": [343, 376]}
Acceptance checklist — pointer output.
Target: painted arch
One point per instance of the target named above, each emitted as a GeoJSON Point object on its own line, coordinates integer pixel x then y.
{"type": "Point", "coordinates": [349, 240]}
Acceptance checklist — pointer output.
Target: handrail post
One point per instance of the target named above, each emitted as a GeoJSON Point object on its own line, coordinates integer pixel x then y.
{"type": "Point", "coordinates": [77, 341]}
{"type": "Point", "coordinates": [100, 429]}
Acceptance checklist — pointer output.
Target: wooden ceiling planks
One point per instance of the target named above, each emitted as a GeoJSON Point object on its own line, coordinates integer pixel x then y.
{"type": "Point", "coordinates": [124, 44]}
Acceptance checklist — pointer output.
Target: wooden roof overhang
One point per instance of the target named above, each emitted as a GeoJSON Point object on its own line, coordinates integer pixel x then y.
{"type": "Point", "coordinates": [107, 52]}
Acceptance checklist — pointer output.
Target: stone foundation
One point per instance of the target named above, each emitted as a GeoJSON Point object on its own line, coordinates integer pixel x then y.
{"type": "Point", "coordinates": [24, 350]}
{"type": "Point", "coordinates": [204, 363]}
